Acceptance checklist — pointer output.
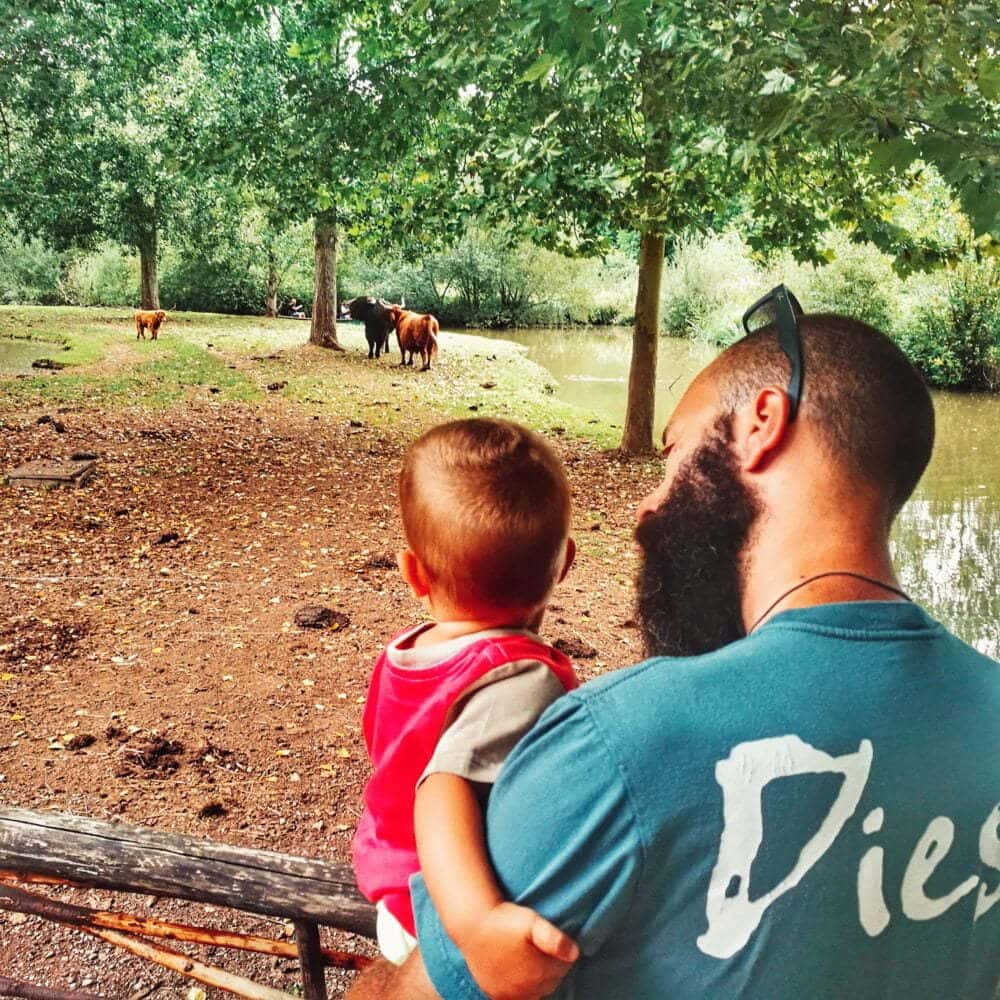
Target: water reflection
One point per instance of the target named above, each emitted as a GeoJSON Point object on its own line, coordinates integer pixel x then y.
{"type": "Point", "coordinates": [16, 355]}
{"type": "Point", "coordinates": [947, 538]}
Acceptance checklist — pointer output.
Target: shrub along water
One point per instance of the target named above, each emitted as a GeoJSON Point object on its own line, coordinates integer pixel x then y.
{"type": "Point", "coordinates": [490, 281]}
{"type": "Point", "coordinates": [954, 337]}
{"type": "Point", "coordinates": [947, 320]}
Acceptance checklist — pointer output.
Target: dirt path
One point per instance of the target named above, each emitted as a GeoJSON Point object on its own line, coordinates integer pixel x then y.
{"type": "Point", "coordinates": [157, 603]}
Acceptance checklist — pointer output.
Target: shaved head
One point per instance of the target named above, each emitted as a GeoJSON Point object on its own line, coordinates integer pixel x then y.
{"type": "Point", "coordinates": [869, 405]}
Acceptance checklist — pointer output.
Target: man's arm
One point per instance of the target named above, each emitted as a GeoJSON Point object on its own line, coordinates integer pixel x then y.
{"type": "Point", "coordinates": [385, 981]}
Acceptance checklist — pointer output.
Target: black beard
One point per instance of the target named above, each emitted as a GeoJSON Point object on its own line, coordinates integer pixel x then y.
{"type": "Point", "coordinates": [691, 581]}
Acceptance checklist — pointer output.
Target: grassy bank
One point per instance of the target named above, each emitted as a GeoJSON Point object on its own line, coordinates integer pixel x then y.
{"type": "Point", "coordinates": [222, 358]}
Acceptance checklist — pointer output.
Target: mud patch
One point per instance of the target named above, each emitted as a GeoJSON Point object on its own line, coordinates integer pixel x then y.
{"type": "Point", "coordinates": [154, 754]}
{"type": "Point", "coordinates": [575, 649]}
{"type": "Point", "coordinates": [33, 643]}
{"type": "Point", "coordinates": [316, 616]}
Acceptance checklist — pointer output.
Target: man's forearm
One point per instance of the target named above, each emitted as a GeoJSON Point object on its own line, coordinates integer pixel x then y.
{"type": "Point", "coordinates": [385, 981]}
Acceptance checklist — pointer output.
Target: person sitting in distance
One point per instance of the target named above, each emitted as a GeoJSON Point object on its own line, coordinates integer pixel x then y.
{"type": "Point", "coordinates": [293, 309]}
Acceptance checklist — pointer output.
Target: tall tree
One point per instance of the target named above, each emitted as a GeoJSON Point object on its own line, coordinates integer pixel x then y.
{"type": "Point", "coordinates": [324, 105]}
{"type": "Point", "coordinates": [112, 164]}
{"type": "Point", "coordinates": [44, 52]}
{"type": "Point", "coordinates": [579, 118]}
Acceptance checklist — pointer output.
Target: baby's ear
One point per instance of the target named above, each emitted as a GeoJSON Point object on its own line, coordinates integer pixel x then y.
{"type": "Point", "coordinates": [568, 559]}
{"type": "Point", "coordinates": [413, 572]}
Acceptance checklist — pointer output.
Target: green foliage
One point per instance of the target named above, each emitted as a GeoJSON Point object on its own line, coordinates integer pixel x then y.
{"type": "Point", "coordinates": [947, 321]}
{"type": "Point", "coordinates": [579, 119]}
{"type": "Point", "coordinates": [487, 280]}
{"type": "Point", "coordinates": [954, 336]}
{"type": "Point", "coordinates": [858, 280]}
{"type": "Point", "coordinates": [927, 226]}
{"type": "Point", "coordinates": [710, 280]}
{"type": "Point", "coordinates": [109, 276]}
{"type": "Point", "coordinates": [199, 284]}
{"type": "Point", "coordinates": [706, 285]}
{"type": "Point", "coordinates": [29, 271]}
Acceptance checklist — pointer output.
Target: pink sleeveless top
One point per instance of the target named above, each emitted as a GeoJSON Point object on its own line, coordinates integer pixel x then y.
{"type": "Point", "coordinates": [403, 719]}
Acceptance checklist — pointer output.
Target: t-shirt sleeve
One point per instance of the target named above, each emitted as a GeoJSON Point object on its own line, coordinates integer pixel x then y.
{"type": "Point", "coordinates": [563, 838]}
{"type": "Point", "coordinates": [491, 719]}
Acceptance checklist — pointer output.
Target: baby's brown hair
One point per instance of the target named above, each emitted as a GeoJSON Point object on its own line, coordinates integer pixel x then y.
{"type": "Point", "coordinates": [486, 509]}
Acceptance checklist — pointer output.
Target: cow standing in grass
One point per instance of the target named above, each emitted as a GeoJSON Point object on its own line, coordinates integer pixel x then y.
{"type": "Point", "coordinates": [150, 321]}
{"type": "Point", "coordinates": [416, 333]}
{"type": "Point", "coordinates": [374, 313]}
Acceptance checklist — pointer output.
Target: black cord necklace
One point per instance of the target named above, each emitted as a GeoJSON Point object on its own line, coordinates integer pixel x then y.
{"type": "Point", "coordinates": [820, 576]}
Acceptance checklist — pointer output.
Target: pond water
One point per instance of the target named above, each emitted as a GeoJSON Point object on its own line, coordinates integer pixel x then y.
{"type": "Point", "coordinates": [16, 355]}
{"type": "Point", "coordinates": [947, 539]}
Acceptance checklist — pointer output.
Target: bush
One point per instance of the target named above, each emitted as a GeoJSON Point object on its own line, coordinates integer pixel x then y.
{"type": "Point", "coordinates": [707, 284]}
{"type": "Point", "coordinates": [107, 277]}
{"type": "Point", "coordinates": [199, 284]}
{"type": "Point", "coordinates": [486, 281]}
{"type": "Point", "coordinates": [953, 335]}
{"type": "Point", "coordinates": [30, 272]}
{"type": "Point", "coordinates": [857, 281]}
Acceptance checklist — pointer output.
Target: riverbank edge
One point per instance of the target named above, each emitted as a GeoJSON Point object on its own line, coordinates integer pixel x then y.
{"type": "Point", "coordinates": [260, 361]}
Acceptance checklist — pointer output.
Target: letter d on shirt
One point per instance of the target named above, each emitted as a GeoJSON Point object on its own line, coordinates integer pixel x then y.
{"type": "Point", "coordinates": [732, 917]}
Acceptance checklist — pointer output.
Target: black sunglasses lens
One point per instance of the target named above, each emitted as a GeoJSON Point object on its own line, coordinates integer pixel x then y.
{"type": "Point", "coordinates": [761, 315]}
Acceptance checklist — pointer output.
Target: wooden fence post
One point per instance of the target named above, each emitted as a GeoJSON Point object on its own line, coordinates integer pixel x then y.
{"type": "Point", "coordinates": [311, 960]}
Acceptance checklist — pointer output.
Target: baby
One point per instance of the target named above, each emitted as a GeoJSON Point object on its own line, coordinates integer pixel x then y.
{"type": "Point", "coordinates": [486, 513]}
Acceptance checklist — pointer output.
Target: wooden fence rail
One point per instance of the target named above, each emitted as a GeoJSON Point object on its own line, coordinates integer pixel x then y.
{"type": "Point", "coordinates": [55, 848]}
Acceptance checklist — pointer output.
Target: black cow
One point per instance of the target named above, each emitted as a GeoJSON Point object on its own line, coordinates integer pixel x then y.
{"type": "Point", "coordinates": [374, 313]}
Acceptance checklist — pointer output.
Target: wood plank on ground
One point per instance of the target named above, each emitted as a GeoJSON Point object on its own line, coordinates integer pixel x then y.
{"type": "Point", "coordinates": [48, 472]}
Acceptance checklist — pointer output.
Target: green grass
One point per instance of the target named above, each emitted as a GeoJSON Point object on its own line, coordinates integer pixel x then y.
{"type": "Point", "coordinates": [78, 336]}
{"type": "Point", "coordinates": [197, 352]}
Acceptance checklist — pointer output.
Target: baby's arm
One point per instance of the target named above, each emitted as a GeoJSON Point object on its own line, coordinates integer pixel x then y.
{"type": "Point", "coordinates": [512, 952]}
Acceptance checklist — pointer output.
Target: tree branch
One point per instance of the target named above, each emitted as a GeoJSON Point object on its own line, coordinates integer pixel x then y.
{"type": "Point", "coordinates": [6, 133]}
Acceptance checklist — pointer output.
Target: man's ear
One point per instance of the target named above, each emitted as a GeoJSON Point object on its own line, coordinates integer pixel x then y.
{"type": "Point", "coordinates": [761, 428]}
{"type": "Point", "coordinates": [414, 573]}
{"type": "Point", "coordinates": [568, 559]}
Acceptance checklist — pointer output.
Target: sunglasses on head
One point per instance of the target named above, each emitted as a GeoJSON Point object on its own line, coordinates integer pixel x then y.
{"type": "Point", "coordinates": [781, 308]}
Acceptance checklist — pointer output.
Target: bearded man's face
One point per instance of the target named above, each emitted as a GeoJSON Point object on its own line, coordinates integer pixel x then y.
{"type": "Point", "coordinates": [691, 579]}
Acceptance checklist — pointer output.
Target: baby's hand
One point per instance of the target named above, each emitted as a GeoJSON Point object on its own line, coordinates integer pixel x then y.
{"type": "Point", "coordinates": [514, 954]}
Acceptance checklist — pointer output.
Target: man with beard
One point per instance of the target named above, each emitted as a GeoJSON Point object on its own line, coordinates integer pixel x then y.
{"type": "Point", "coordinates": [798, 794]}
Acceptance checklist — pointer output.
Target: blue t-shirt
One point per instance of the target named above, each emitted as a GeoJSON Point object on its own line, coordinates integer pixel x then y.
{"type": "Point", "coordinates": [812, 812]}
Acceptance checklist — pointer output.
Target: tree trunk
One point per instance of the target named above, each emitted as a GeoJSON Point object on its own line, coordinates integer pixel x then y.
{"type": "Point", "coordinates": [323, 331]}
{"type": "Point", "coordinates": [150, 287]}
{"type": "Point", "coordinates": [271, 287]}
{"type": "Point", "coordinates": [638, 436]}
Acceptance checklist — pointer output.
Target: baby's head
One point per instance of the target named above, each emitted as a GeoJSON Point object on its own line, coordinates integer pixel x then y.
{"type": "Point", "coordinates": [486, 512]}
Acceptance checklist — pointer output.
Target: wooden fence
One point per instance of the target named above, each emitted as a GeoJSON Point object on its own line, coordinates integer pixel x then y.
{"type": "Point", "coordinates": [60, 849]}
